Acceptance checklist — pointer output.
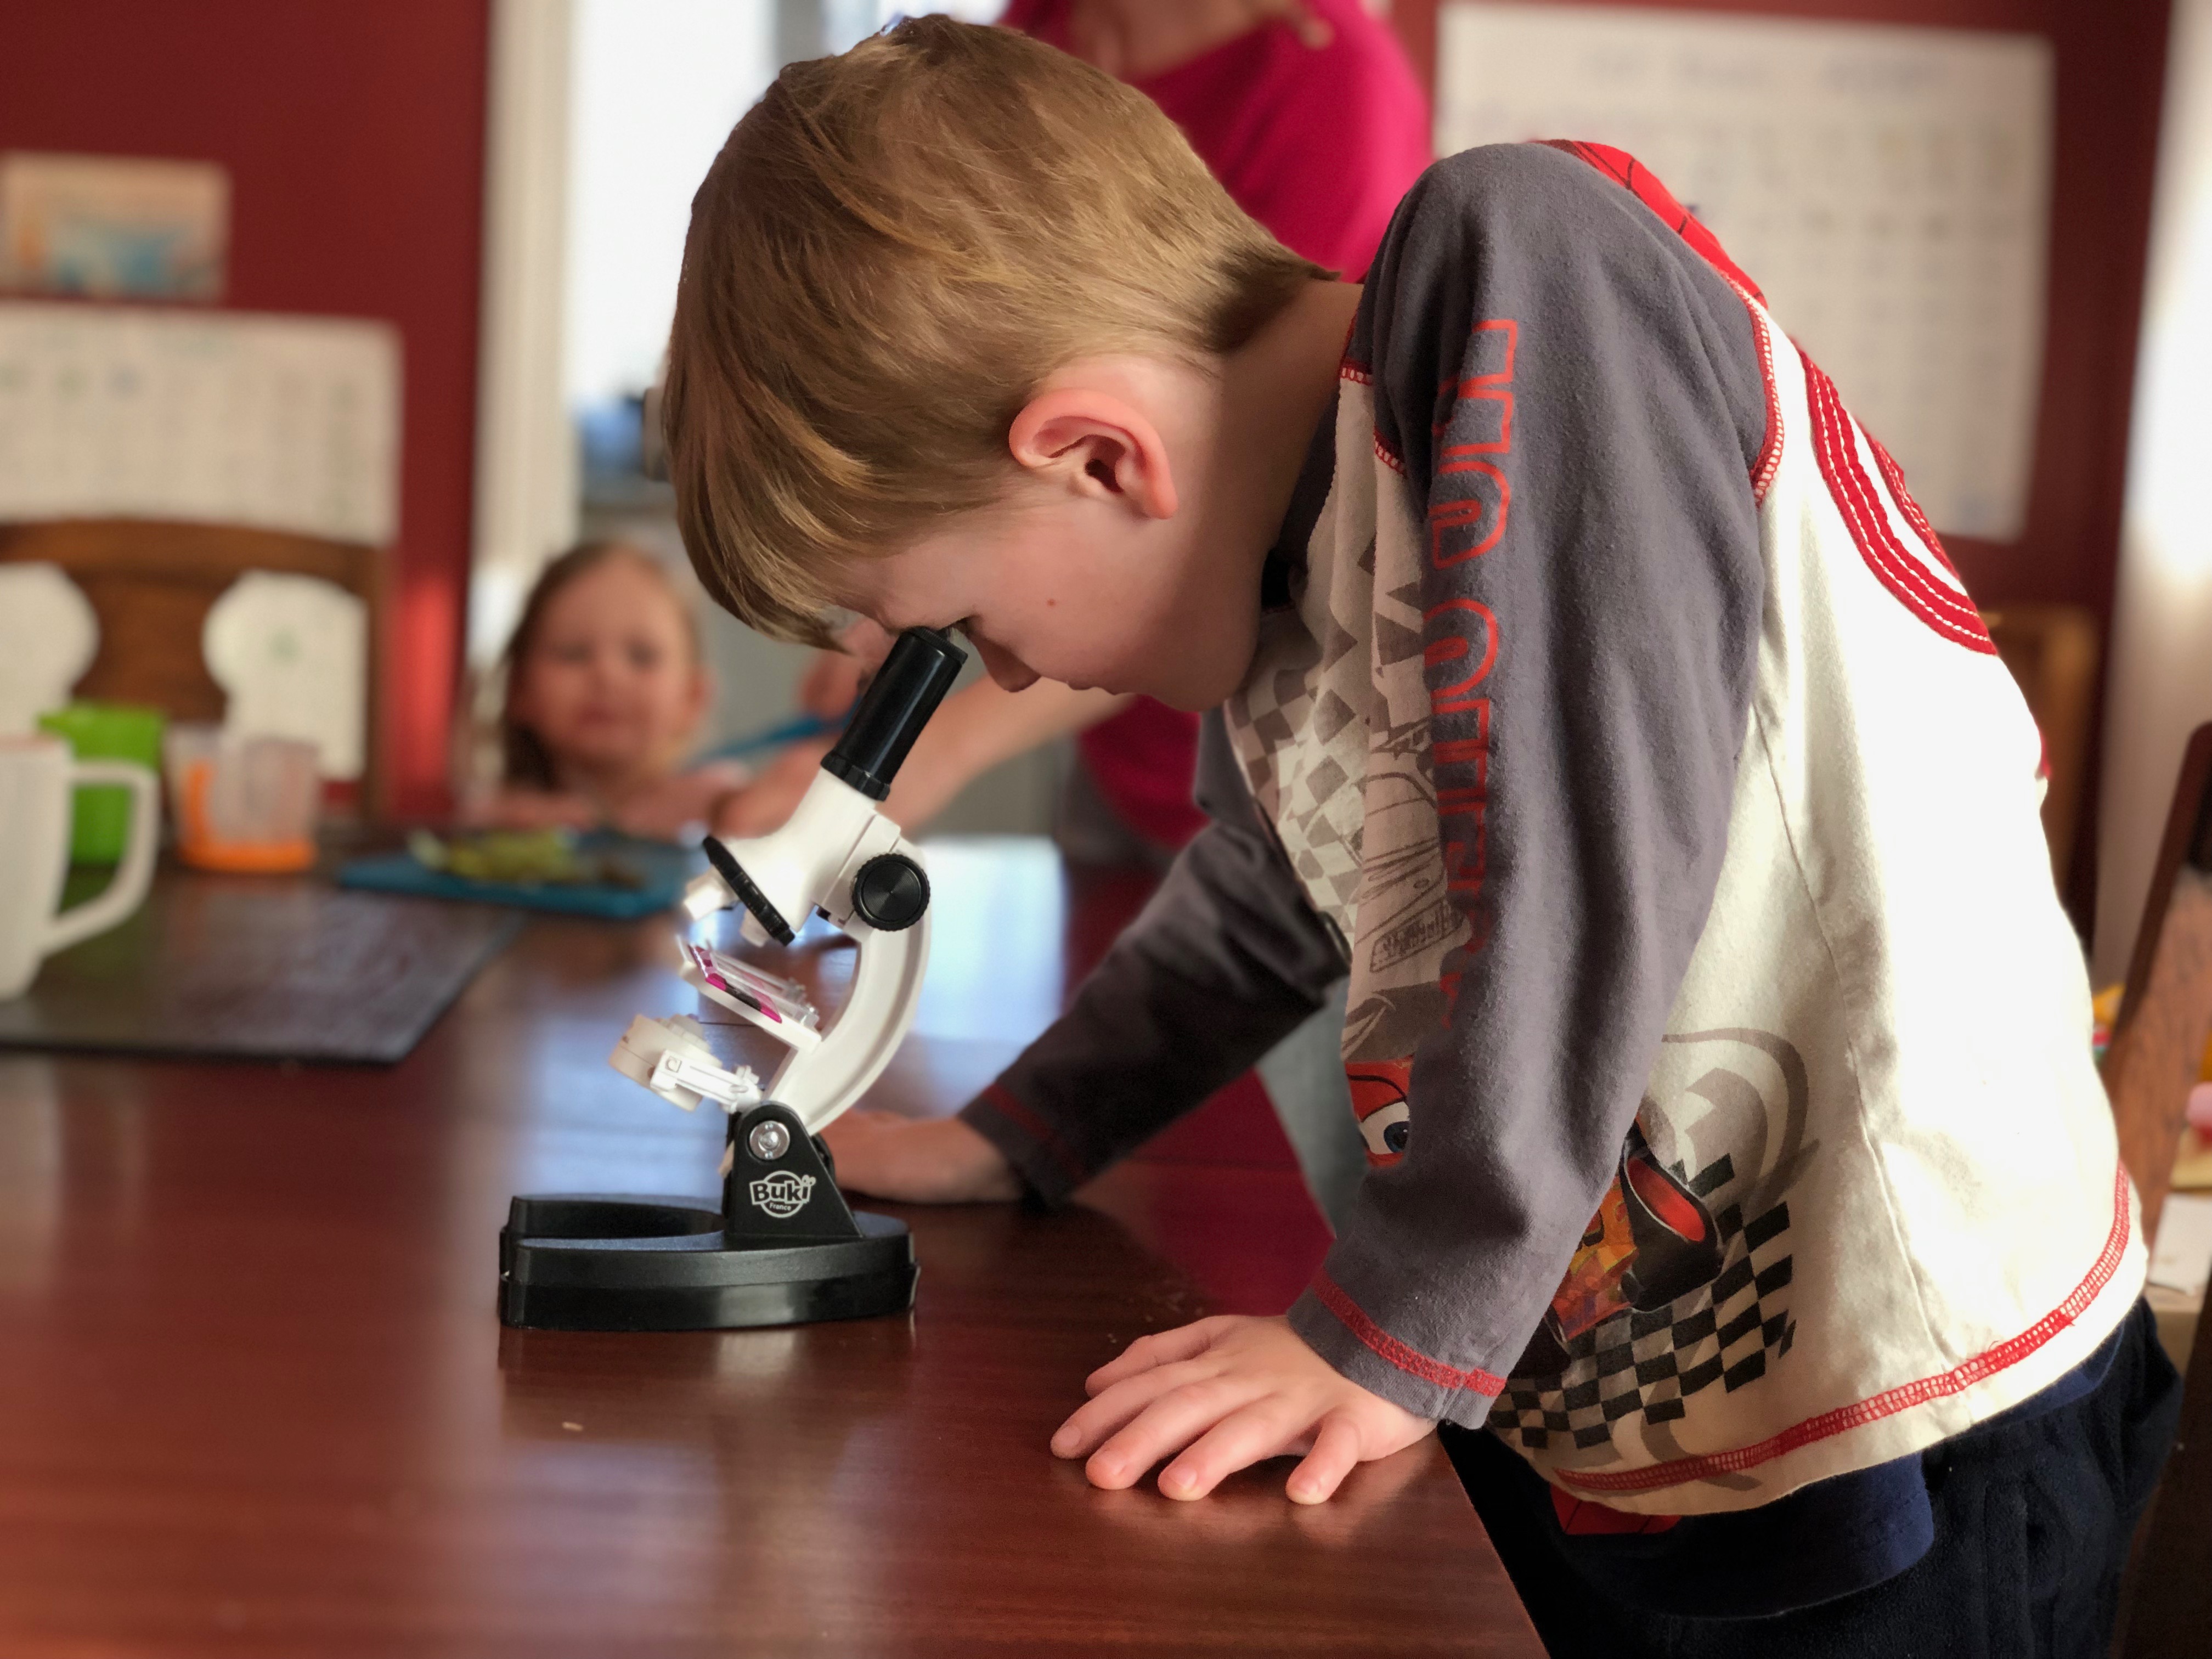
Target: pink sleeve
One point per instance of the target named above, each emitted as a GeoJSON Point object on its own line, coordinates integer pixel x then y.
{"type": "Point", "coordinates": [1343, 149]}
{"type": "Point", "coordinates": [1318, 145]}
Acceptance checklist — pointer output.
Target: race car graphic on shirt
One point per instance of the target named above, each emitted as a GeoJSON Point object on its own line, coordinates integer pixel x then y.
{"type": "Point", "coordinates": [1651, 1242]}
{"type": "Point", "coordinates": [1682, 1280]}
{"type": "Point", "coordinates": [1382, 1100]}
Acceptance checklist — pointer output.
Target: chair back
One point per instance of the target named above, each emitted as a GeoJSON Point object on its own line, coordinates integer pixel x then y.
{"type": "Point", "coordinates": [151, 583]}
{"type": "Point", "coordinates": [2051, 650]}
{"type": "Point", "coordinates": [2156, 1049]}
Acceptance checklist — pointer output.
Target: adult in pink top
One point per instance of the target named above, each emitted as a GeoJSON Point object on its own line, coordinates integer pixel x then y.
{"type": "Point", "coordinates": [1317, 142]}
{"type": "Point", "coordinates": [1316, 131]}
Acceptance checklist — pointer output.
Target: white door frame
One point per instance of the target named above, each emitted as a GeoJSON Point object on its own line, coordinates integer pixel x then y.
{"type": "Point", "coordinates": [526, 497]}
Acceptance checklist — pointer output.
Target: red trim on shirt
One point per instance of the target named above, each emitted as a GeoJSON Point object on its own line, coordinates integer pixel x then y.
{"type": "Point", "coordinates": [1945, 609]}
{"type": "Point", "coordinates": [1893, 476]}
{"type": "Point", "coordinates": [1639, 181]}
{"type": "Point", "coordinates": [1410, 1360]}
{"type": "Point", "coordinates": [1982, 1367]}
{"type": "Point", "coordinates": [1769, 460]}
{"type": "Point", "coordinates": [1037, 1129]}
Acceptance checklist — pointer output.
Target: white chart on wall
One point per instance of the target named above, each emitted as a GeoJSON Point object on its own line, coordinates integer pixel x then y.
{"type": "Point", "coordinates": [214, 417]}
{"type": "Point", "coordinates": [1888, 188]}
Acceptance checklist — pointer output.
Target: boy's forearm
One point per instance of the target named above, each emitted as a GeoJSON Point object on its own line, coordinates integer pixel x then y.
{"type": "Point", "coordinates": [1225, 962]}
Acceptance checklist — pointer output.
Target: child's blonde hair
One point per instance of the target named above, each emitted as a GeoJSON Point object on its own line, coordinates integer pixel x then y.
{"type": "Point", "coordinates": [523, 759]}
{"type": "Point", "coordinates": [893, 250]}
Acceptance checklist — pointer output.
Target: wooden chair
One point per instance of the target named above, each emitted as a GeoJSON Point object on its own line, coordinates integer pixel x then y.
{"type": "Point", "coordinates": [2165, 1013]}
{"type": "Point", "coordinates": [2051, 650]}
{"type": "Point", "coordinates": [151, 584]}
{"type": "Point", "coordinates": [2157, 1045]}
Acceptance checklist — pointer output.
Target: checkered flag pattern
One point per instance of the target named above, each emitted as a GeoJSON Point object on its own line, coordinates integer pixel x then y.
{"type": "Point", "coordinates": [1651, 1362]}
{"type": "Point", "coordinates": [1306, 789]}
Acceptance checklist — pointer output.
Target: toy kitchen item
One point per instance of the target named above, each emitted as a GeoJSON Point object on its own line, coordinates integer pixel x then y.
{"type": "Point", "coordinates": [49, 636]}
{"type": "Point", "coordinates": [291, 655]}
{"type": "Point", "coordinates": [783, 1249]}
{"type": "Point", "coordinates": [242, 804]}
{"type": "Point", "coordinates": [38, 779]}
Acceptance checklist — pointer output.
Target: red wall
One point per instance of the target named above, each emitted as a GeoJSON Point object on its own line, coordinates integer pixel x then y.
{"type": "Point", "coordinates": [354, 135]}
{"type": "Point", "coordinates": [2111, 62]}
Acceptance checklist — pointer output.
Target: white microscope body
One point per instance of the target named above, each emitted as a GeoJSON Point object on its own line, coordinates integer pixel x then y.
{"type": "Point", "coordinates": [839, 855]}
{"type": "Point", "coordinates": [783, 1247]}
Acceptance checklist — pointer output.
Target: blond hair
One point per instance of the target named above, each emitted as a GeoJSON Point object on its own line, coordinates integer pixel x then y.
{"type": "Point", "coordinates": [892, 251]}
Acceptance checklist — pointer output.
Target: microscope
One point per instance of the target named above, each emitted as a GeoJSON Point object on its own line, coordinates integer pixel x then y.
{"type": "Point", "coordinates": [784, 1248]}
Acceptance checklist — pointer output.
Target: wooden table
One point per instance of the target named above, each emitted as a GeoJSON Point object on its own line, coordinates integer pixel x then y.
{"type": "Point", "coordinates": [254, 1399]}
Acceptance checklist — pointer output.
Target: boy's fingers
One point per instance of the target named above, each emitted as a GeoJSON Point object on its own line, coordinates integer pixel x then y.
{"type": "Point", "coordinates": [1112, 1409]}
{"type": "Point", "coordinates": [1239, 1440]}
{"type": "Point", "coordinates": [1164, 1428]}
{"type": "Point", "coordinates": [1161, 1348]}
{"type": "Point", "coordinates": [1335, 1450]}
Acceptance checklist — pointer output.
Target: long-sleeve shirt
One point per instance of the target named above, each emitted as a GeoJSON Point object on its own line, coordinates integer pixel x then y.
{"type": "Point", "coordinates": [1721, 1045]}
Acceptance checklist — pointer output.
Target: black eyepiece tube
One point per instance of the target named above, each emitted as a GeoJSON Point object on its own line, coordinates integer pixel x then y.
{"type": "Point", "coordinates": [898, 704]}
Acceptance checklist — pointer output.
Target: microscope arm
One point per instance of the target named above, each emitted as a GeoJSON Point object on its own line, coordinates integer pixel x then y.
{"type": "Point", "coordinates": [820, 1083]}
{"type": "Point", "coordinates": [838, 854]}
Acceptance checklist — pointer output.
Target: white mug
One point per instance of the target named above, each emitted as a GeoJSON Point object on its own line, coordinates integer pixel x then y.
{"type": "Point", "coordinates": [37, 791]}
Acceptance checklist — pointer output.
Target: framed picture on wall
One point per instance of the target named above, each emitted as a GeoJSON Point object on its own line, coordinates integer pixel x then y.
{"type": "Point", "coordinates": [106, 227]}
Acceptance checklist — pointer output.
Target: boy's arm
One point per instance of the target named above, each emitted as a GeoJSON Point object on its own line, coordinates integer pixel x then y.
{"type": "Point", "coordinates": [1553, 364]}
{"type": "Point", "coordinates": [1224, 961]}
{"type": "Point", "coordinates": [1584, 775]}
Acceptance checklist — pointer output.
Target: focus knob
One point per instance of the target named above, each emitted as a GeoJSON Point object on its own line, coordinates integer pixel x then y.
{"type": "Point", "coordinates": [890, 892]}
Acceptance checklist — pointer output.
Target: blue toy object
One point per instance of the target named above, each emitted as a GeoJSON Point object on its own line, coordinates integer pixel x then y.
{"type": "Point", "coordinates": [661, 870]}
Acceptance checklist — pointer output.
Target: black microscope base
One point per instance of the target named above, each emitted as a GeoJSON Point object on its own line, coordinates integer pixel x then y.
{"type": "Point", "coordinates": [582, 1262]}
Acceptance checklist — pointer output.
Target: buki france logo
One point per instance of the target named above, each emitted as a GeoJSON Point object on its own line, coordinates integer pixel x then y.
{"type": "Point", "coordinates": [782, 1195]}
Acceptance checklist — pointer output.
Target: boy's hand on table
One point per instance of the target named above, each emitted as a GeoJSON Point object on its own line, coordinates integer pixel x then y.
{"type": "Point", "coordinates": [1225, 1394]}
{"type": "Point", "coordinates": [918, 1160]}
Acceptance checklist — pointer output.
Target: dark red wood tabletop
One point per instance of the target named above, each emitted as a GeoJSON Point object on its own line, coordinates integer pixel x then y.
{"type": "Point", "coordinates": [254, 1398]}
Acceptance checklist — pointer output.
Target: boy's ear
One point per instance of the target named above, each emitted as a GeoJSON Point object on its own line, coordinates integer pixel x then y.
{"type": "Point", "coordinates": [1097, 446]}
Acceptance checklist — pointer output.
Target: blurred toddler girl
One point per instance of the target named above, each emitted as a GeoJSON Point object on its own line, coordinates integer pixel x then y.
{"type": "Point", "coordinates": [605, 690]}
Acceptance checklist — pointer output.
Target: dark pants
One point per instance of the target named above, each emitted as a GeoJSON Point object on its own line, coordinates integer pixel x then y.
{"type": "Point", "coordinates": [2032, 1524]}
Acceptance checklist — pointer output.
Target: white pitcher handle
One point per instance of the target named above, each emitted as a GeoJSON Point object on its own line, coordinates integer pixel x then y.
{"type": "Point", "coordinates": [128, 890]}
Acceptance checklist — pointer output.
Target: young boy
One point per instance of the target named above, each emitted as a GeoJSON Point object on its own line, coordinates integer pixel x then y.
{"type": "Point", "coordinates": [1588, 686]}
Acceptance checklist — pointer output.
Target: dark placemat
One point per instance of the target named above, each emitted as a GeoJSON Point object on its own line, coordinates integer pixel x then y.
{"type": "Point", "coordinates": [260, 968]}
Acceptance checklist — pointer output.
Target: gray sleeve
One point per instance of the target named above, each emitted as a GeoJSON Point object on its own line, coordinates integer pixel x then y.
{"type": "Point", "coordinates": [1224, 962]}
{"type": "Point", "coordinates": [1590, 673]}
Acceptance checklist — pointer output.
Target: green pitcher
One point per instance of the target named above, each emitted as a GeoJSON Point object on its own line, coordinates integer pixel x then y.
{"type": "Point", "coordinates": [105, 731]}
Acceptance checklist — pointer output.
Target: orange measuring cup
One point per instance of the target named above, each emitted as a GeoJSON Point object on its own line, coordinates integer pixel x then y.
{"type": "Point", "coordinates": [242, 804]}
